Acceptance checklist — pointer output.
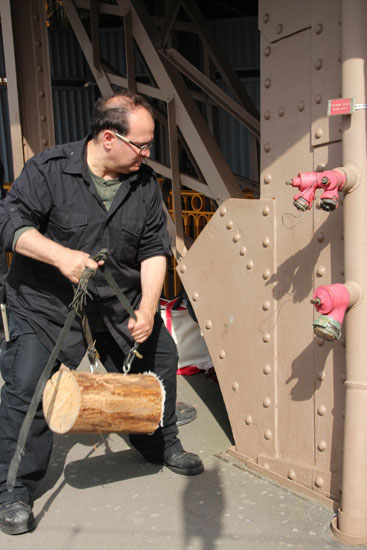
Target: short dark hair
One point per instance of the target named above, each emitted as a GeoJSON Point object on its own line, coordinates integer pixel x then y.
{"type": "Point", "coordinates": [112, 113]}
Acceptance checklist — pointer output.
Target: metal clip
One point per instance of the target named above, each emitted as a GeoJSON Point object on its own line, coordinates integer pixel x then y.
{"type": "Point", "coordinates": [130, 358]}
{"type": "Point", "coordinates": [93, 357]}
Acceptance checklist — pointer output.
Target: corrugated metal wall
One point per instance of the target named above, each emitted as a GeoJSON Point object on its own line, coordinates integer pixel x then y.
{"type": "Point", "coordinates": [74, 90]}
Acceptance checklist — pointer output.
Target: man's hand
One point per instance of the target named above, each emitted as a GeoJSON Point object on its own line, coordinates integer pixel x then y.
{"type": "Point", "coordinates": [142, 328]}
{"type": "Point", "coordinates": [72, 263]}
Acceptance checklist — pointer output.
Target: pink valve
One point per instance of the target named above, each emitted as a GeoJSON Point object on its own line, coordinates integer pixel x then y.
{"type": "Point", "coordinates": [332, 181]}
{"type": "Point", "coordinates": [331, 301]}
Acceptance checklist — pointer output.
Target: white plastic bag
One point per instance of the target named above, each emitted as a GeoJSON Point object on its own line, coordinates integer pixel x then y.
{"type": "Point", "coordinates": [191, 346]}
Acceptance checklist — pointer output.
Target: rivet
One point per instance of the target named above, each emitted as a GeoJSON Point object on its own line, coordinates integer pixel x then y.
{"type": "Point", "coordinates": [41, 93]}
{"type": "Point", "coordinates": [266, 274]}
{"type": "Point", "coordinates": [39, 68]}
{"type": "Point", "coordinates": [322, 446]}
{"type": "Point", "coordinates": [248, 420]}
{"type": "Point", "coordinates": [266, 466]}
{"type": "Point", "coordinates": [266, 337]}
{"type": "Point", "coordinates": [266, 211]}
{"type": "Point", "coordinates": [342, 343]}
{"type": "Point", "coordinates": [243, 250]}
{"type": "Point", "coordinates": [43, 118]}
{"type": "Point", "coordinates": [319, 132]}
{"type": "Point", "coordinates": [267, 178]}
{"type": "Point", "coordinates": [318, 28]}
{"type": "Point", "coordinates": [318, 99]}
{"type": "Point", "coordinates": [321, 237]}
{"type": "Point", "coordinates": [321, 376]}
{"type": "Point", "coordinates": [229, 224]}
{"type": "Point", "coordinates": [267, 369]}
{"type": "Point", "coordinates": [318, 64]}
{"type": "Point", "coordinates": [267, 51]}
{"type": "Point", "coordinates": [235, 386]}
{"type": "Point", "coordinates": [37, 43]}
{"type": "Point", "coordinates": [236, 237]}
{"type": "Point", "coordinates": [267, 115]}
{"type": "Point", "coordinates": [319, 481]}
{"type": "Point", "coordinates": [291, 474]}
{"type": "Point", "coordinates": [35, 17]}
{"type": "Point", "coordinates": [266, 305]}
{"type": "Point", "coordinates": [195, 296]}
{"type": "Point", "coordinates": [281, 112]}
{"type": "Point", "coordinates": [267, 83]}
{"type": "Point", "coordinates": [183, 268]}
{"type": "Point", "coordinates": [266, 18]}
{"type": "Point", "coordinates": [208, 324]}
{"type": "Point", "coordinates": [320, 271]}
{"type": "Point", "coordinates": [222, 354]}
{"type": "Point", "coordinates": [267, 402]}
{"type": "Point", "coordinates": [250, 264]}
{"type": "Point", "coordinates": [320, 167]}
{"type": "Point", "coordinates": [223, 211]}
{"type": "Point", "coordinates": [301, 106]}
{"type": "Point", "coordinates": [267, 434]}
{"type": "Point", "coordinates": [266, 242]}
{"type": "Point", "coordinates": [321, 411]}
{"type": "Point", "coordinates": [279, 28]}
{"type": "Point", "coordinates": [320, 342]}
{"type": "Point", "coordinates": [267, 147]}
{"type": "Point", "coordinates": [45, 142]}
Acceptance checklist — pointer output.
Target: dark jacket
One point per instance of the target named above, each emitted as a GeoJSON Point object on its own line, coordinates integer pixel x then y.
{"type": "Point", "coordinates": [55, 194]}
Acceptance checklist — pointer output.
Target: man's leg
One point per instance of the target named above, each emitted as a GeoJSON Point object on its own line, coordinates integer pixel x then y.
{"type": "Point", "coordinates": [22, 362]}
{"type": "Point", "coordinates": [159, 356]}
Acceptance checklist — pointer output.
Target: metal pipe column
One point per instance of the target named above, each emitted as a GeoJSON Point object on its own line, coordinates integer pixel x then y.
{"type": "Point", "coordinates": [351, 523]}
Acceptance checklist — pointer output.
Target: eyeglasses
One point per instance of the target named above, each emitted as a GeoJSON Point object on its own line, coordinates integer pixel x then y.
{"type": "Point", "coordinates": [142, 148]}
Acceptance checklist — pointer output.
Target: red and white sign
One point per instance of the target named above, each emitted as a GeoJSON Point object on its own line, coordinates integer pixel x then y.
{"type": "Point", "coordinates": [341, 106]}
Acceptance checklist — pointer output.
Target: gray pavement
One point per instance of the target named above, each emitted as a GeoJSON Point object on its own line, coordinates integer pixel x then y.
{"type": "Point", "coordinates": [100, 494]}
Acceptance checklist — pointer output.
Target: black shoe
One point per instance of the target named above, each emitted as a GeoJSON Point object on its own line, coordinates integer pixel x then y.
{"type": "Point", "coordinates": [16, 518]}
{"type": "Point", "coordinates": [184, 463]}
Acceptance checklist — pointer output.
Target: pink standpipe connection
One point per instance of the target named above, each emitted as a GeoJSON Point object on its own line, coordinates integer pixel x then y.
{"type": "Point", "coordinates": [332, 181]}
{"type": "Point", "coordinates": [331, 301]}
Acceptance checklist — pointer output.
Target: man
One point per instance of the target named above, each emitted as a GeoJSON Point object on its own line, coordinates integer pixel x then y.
{"type": "Point", "coordinates": [69, 203]}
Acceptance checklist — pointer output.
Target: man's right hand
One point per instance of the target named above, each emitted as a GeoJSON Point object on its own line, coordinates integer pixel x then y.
{"type": "Point", "coordinates": [70, 262]}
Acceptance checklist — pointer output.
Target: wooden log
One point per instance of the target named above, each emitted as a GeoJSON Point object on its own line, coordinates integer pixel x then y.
{"type": "Point", "coordinates": [81, 402]}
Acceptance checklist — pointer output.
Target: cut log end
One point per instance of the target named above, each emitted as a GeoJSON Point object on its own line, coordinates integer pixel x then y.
{"type": "Point", "coordinates": [80, 402]}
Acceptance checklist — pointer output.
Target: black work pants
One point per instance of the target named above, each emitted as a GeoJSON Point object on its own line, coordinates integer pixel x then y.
{"type": "Point", "coordinates": [22, 362]}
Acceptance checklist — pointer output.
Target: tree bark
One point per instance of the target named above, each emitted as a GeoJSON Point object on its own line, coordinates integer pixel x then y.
{"type": "Point", "coordinates": [81, 402]}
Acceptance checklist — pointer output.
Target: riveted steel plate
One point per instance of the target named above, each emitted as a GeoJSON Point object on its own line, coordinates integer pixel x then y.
{"type": "Point", "coordinates": [283, 17]}
{"type": "Point", "coordinates": [325, 70]}
{"type": "Point", "coordinates": [226, 275]}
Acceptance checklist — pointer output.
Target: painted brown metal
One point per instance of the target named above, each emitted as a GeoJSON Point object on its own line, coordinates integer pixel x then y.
{"type": "Point", "coordinates": [283, 388]}
{"type": "Point", "coordinates": [27, 45]}
{"type": "Point", "coordinates": [351, 524]}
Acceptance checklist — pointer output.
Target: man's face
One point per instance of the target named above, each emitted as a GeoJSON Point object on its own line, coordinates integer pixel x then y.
{"type": "Point", "coordinates": [126, 156]}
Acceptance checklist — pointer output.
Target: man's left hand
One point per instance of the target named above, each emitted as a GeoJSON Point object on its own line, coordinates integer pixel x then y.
{"type": "Point", "coordinates": [142, 328]}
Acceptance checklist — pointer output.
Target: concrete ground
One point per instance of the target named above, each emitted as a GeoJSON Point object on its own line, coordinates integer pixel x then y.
{"type": "Point", "coordinates": [100, 494]}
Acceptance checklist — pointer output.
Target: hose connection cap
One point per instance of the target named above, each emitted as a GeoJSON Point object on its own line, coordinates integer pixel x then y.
{"type": "Point", "coordinates": [327, 328]}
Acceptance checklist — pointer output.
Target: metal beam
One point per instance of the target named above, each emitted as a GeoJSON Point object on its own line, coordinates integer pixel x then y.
{"type": "Point", "coordinates": [129, 52]}
{"type": "Point", "coordinates": [168, 23]}
{"type": "Point", "coordinates": [218, 57]}
{"type": "Point", "coordinates": [86, 46]}
{"type": "Point", "coordinates": [175, 169]}
{"type": "Point", "coordinates": [215, 92]}
{"type": "Point", "coordinates": [12, 87]}
{"type": "Point", "coordinates": [189, 119]}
